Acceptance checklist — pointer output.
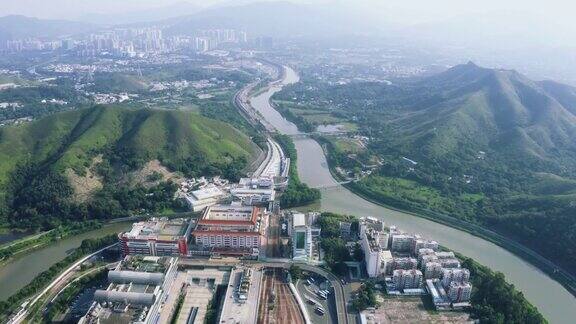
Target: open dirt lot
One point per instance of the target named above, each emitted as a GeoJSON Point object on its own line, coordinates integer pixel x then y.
{"type": "Point", "coordinates": [411, 310]}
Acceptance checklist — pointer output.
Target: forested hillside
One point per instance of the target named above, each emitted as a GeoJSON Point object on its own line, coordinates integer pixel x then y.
{"type": "Point", "coordinates": [103, 144]}
{"type": "Point", "coordinates": [489, 146]}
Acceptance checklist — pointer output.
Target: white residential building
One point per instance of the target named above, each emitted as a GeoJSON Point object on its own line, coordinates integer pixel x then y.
{"type": "Point", "coordinates": [433, 270]}
{"type": "Point", "coordinates": [407, 279]}
{"type": "Point", "coordinates": [374, 243]}
{"type": "Point", "coordinates": [459, 292]}
{"type": "Point", "coordinates": [455, 275]}
{"type": "Point", "coordinates": [402, 242]}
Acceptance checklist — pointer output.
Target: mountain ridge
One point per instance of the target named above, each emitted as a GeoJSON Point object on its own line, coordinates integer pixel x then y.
{"type": "Point", "coordinates": [18, 27]}
{"type": "Point", "coordinates": [123, 139]}
{"type": "Point", "coordinates": [504, 104]}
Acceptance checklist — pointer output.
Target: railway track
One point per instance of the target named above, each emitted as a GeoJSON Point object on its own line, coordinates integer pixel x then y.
{"type": "Point", "coordinates": [276, 292]}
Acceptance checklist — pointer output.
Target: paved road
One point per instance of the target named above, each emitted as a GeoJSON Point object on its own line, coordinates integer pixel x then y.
{"type": "Point", "coordinates": [309, 292]}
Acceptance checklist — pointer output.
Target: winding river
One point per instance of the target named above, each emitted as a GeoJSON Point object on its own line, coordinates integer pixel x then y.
{"type": "Point", "coordinates": [21, 270]}
{"type": "Point", "coordinates": [555, 302]}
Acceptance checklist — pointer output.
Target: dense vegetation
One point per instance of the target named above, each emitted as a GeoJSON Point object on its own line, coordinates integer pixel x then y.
{"type": "Point", "coordinates": [297, 193]}
{"type": "Point", "coordinates": [496, 301]}
{"type": "Point", "coordinates": [489, 147]}
{"type": "Point", "coordinates": [366, 297]}
{"type": "Point", "coordinates": [301, 122]}
{"type": "Point", "coordinates": [336, 252]}
{"type": "Point", "coordinates": [106, 143]}
{"type": "Point", "coordinates": [30, 99]}
{"type": "Point", "coordinates": [86, 247]}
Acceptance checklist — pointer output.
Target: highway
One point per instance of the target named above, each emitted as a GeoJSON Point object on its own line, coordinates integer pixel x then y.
{"type": "Point", "coordinates": [271, 166]}
{"type": "Point", "coordinates": [241, 100]}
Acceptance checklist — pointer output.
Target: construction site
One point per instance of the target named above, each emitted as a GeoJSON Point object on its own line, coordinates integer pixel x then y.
{"type": "Point", "coordinates": [278, 304]}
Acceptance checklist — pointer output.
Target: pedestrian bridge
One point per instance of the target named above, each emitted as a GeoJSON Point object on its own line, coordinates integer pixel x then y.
{"type": "Point", "coordinates": [331, 185]}
{"type": "Point", "coordinates": [309, 135]}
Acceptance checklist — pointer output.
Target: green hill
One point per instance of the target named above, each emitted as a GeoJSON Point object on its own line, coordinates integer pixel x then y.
{"type": "Point", "coordinates": [488, 146]}
{"type": "Point", "coordinates": [493, 134]}
{"type": "Point", "coordinates": [124, 140]}
{"type": "Point", "coordinates": [488, 110]}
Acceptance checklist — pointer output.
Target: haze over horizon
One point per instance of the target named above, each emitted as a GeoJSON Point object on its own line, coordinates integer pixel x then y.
{"type": "Point", "coordinates": [405, 12]}
{"type": "Point", "coordinates": [287, 161]}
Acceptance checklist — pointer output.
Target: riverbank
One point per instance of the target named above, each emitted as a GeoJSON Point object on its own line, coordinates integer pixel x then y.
{"type": "Point", "coordinates": [13, 304]}
{"type": "Point", "coordinates": [538, 287]}
{"type": "Point", "coordinates": [21, 270]}
{"type": "Point", "coordinates": [567, 280]}
{"type": "Point", "coordinates": [37, 241]}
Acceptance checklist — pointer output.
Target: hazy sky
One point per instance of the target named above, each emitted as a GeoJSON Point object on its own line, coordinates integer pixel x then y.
{"type": "Point", "coordinates": [405, 11]}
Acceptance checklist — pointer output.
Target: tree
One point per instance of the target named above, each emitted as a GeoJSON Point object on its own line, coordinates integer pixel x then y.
{"type": "Point", "coordinates": [358, 253]}
{"type": "Point", "coordinates": [295, 272]}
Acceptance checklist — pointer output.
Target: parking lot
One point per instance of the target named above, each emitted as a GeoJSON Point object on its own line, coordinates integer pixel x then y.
{"type": "Point", "coordinates": [311, 299]}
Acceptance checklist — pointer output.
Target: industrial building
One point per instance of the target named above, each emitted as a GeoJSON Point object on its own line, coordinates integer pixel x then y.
{"type": "Point", "coordinates": [230, 229]}
{"type": "Point", "coordinates": [438, 293]}
{"type": "Point", "coordinates": [136, 290]}
{"type": "Point", "coordinates": [254, 191]}
{"type": "Point", "coordinates": [157, 237]}
{"type": "Point", "coordinates": [199, 199]}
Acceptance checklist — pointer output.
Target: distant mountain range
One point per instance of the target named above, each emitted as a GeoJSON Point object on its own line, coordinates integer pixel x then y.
{"type": "Point", "coordinates": [142, 16]}
{"type": "Point", "coordinates": [491, 146]}
{"type": "Point", "coordinates": [19, 27]}
{"type": "Point", "coordinates": [487, 109]}
{"type": "Point", "coordinates": [282, 19]}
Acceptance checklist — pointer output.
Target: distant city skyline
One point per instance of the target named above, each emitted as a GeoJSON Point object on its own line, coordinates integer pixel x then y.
{"type": "Point", "coordinates": [409, 11]}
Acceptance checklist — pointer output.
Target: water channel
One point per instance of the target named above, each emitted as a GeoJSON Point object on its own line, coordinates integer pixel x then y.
{"type": "Point", "coordinates": [555, 302]}
{"type": "Point", "coordinates": [21, 270]}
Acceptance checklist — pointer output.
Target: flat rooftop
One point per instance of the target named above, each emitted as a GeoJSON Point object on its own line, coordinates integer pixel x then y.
{"type": "Point", "coordinates": [207, 193]}
{"type": "Point", "coordinates": [299, 219]}
{"type": "Point", "coordinates": [158, 229]}
{"type": "Point", "coordinates": [226, 214]}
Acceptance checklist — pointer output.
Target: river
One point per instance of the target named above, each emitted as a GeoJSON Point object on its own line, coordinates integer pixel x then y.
{"type": "Point", "coordinates": [22, 269]}
{"type": "Point", "coordinates": [553, 301]}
